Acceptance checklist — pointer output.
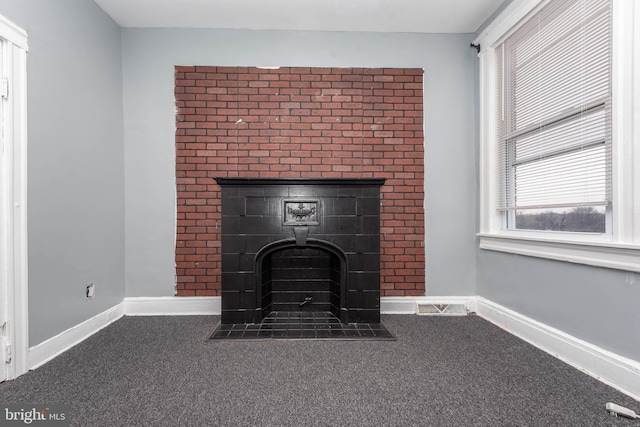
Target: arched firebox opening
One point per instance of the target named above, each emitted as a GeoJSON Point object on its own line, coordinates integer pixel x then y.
{"type": "Point", "coordinates": [309, 278]}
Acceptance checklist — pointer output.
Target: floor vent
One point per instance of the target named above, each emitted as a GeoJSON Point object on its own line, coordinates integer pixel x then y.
{"type": "Point", "coordinates": [442, 309]}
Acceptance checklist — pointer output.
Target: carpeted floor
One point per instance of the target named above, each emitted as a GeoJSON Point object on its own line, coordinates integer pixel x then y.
{"type": "Point", "coordinates": [441, 371]}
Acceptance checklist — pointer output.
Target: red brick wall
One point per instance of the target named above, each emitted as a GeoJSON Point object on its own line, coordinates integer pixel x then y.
{"type": "Point", "coordinates": [299, 123]}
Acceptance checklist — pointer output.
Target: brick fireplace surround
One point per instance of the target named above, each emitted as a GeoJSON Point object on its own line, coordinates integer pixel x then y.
{"type": "Point", "coordinates": [242, 122]}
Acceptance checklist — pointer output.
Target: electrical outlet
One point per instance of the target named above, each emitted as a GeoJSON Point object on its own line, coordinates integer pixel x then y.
{"type": "Point", "coordinates": [90, 291]}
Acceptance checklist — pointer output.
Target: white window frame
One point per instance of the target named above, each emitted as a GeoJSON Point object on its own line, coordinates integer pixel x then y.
{"type": "Point", "coordinates": [619, 249]}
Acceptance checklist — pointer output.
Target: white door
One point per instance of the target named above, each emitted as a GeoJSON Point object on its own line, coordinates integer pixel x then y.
{"type": "Point", "coordinates": [13, 201]}
{"type": "Point", "coordinates": [4, 295]}
{"type": "Point", "coordinates": [5, 246]}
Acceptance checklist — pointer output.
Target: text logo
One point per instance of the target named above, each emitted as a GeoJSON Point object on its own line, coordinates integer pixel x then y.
{"type": "Point", "coordinates": [35, 415]}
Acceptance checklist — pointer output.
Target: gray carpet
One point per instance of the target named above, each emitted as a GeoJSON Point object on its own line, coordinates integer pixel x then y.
{"type": "Point", "coordinates": [441, 371]}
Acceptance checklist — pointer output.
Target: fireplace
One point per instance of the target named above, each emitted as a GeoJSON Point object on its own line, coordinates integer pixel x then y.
{"type": "Point", "coordinates": [309, 246]}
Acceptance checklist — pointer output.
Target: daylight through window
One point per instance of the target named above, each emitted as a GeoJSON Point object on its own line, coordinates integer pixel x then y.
{"type": "Point", "coordinates": [554, 119]}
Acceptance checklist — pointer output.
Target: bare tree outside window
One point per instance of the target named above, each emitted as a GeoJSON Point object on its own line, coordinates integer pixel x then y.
{"type": "Point", "coordinates": [586, 219]}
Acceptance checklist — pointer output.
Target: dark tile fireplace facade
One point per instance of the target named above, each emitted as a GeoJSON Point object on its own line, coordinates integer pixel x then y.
{"type": "Point", "coordinates": [300, 245]}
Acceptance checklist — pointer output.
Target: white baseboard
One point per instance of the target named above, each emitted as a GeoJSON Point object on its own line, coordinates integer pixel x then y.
{"type": "Point", "coordinates": [172, 306]}
{"type": "Point", "coordinates": [617, 371]}
{"type": "Point", "coordinates": [184, 306]}
{"type": "Point", "coordinates": [175, 306]}
{"type": "Point", "coordinates": [410, 305]}
{"type": "Point", "coordinates": [152, 306]}
{"type": "Point", "coordinates": [47, 350]}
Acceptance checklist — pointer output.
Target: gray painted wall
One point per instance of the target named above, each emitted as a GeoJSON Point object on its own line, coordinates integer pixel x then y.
{"type": "Point", "coordinates": [75, 161]}
{"type": "Point", "coordinates": [597, 305]}
{"type": "Point", "coordinates": [149, 56]}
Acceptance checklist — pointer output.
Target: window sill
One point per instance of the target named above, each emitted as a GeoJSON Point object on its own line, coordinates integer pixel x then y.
{"type": "Point", "coordinates": [609, 255]}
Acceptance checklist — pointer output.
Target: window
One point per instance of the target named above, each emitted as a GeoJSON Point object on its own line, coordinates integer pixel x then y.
{"type": "Point", "coordinates": [558, 153]}
{"type": "Point", "coordinates": [554, 119]}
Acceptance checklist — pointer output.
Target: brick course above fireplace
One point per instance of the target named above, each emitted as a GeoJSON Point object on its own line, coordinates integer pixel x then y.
{"type": "Point", "coordinates": [299, 123]}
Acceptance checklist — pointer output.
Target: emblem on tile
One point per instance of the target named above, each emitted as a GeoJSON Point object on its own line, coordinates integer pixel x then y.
{"type": "Point", "coordinates": [301, 212]}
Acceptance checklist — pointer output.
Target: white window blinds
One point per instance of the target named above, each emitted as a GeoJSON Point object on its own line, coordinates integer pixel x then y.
{"type": "Point", "coordinates": [554, 109]}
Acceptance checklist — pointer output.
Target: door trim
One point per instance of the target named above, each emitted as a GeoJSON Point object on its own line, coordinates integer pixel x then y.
{"type": "Point", "coordinates": [14, 187]}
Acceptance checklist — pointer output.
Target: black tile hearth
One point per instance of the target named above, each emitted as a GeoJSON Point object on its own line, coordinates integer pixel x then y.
{"type": "Point", "coordinates": [302, 325]}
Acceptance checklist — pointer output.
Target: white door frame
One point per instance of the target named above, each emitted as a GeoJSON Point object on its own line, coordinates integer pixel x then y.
{"type": "Point", "coordinates": [14, 334]}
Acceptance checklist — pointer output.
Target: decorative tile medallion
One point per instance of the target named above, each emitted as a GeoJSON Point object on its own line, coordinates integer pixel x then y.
{"type": "Point", "coordinates": [301, 212]}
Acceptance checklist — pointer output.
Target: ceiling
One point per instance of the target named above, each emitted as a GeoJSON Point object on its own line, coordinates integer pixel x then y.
{"type": "Point", "coordinates": [414, 16]}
